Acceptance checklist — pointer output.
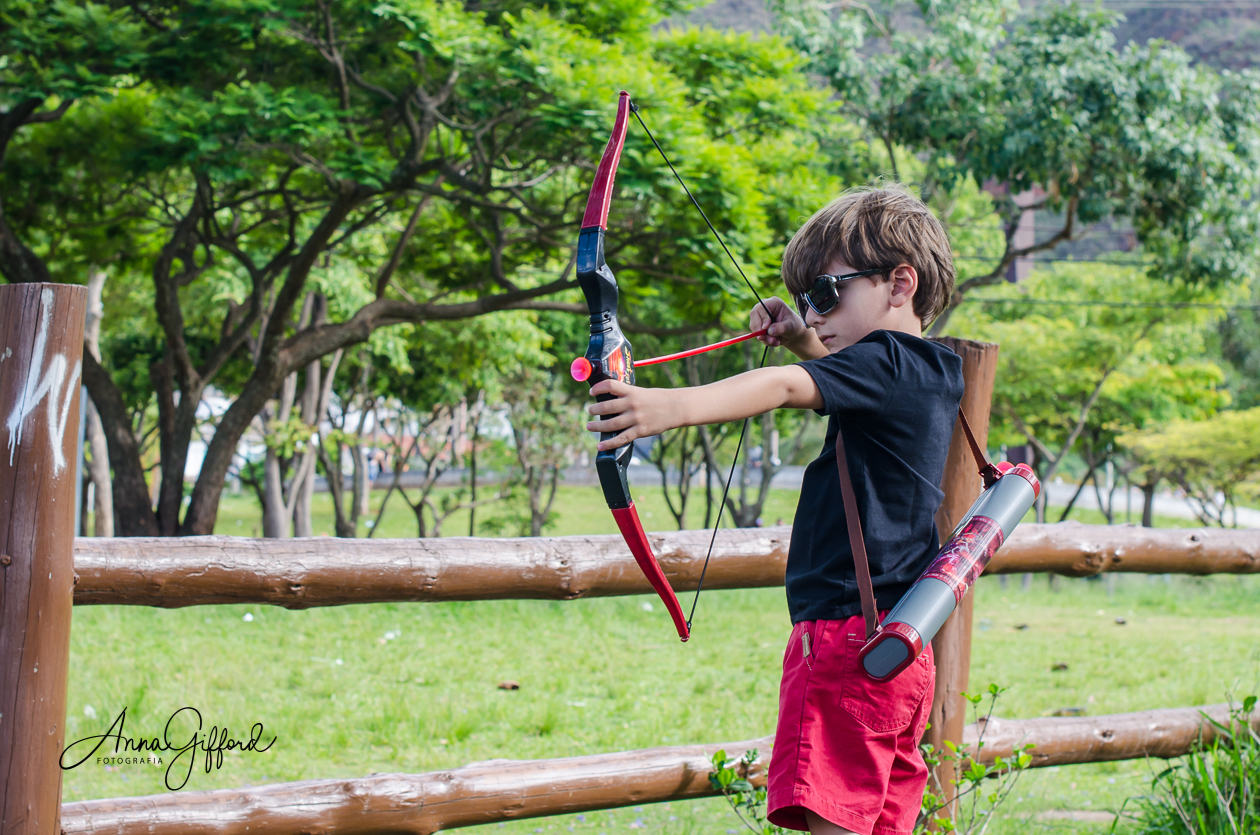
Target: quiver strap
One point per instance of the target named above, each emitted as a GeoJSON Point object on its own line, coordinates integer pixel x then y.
{"type": "Point", "coordinates": [861, 565]}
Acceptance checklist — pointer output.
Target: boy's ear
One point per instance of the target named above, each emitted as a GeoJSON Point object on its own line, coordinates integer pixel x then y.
{"type": "Point", "coordinates": [905, 282]}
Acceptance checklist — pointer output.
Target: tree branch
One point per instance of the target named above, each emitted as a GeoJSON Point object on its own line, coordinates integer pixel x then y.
{"type": "Point", "coordinates": [1009, 256]}
{"type": "Point", "coordinates": [166, 295]}
{"type": "Point", "coordinates": [382, 278]}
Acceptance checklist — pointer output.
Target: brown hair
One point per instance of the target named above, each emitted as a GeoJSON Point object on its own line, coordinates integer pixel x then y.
{"type": "Point", "coordinates": [873, 227]}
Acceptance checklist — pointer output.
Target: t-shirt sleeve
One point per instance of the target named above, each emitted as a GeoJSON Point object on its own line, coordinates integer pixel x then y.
{"type": "Point", "coordinates": [858, 380]}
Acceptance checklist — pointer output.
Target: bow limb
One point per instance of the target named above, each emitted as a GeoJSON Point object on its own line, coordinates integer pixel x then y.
{"type": "Point", "coordinates": [608, 356]}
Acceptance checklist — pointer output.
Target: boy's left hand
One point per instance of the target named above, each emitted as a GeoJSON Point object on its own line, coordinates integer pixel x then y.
{"type": "Point", "coordinates": [638, 412]}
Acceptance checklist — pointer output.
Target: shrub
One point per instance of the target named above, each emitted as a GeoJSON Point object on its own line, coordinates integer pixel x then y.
{"type": "Point", "coordinates": [1215, 789]}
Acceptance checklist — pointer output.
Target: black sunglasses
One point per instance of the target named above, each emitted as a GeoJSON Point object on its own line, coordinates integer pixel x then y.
{"type": "Point", "coordinates": [825, 295]}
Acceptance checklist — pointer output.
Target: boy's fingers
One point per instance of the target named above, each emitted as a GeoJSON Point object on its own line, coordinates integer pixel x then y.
{"type": "Point", "coordinates": [770, 312]}
{"type": "Point", "coordinates": [785, 324]}
{"type": "Point", "coordinates": [613, 424]}
{"type": "Point", "coordinates": [608, 407]}
{"type": "Point", "coordinates": [614, 387]}
{"type": "Point", "coordinates": [617, 441]}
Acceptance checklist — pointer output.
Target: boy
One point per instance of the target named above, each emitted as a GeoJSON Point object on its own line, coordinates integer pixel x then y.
{"type": "Point", "coordinates": [869, 272]}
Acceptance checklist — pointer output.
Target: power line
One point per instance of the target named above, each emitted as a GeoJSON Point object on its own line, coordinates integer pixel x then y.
{"type": "Point", "coordinates": [1069, 302]}
{"type": "Point", "coordinates": [1241, 5]}
{"type": "Point", "coordinates": [1042, 260]}
{"type": "Point", "coordinates": [1040, 226]}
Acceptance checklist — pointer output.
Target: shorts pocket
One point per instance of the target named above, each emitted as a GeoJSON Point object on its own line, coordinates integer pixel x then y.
{"type": "Point", "coordinates": [884, 707]}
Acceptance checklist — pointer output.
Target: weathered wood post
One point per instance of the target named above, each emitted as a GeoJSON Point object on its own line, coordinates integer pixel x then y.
{"type": "Point", "coordinates": [41, 352]}
{"type": "Point", "coordinates": [961, 484]}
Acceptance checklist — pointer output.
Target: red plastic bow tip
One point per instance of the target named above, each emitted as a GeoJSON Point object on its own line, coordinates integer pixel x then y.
{"type": "Point", "coordinates": [581, 369]}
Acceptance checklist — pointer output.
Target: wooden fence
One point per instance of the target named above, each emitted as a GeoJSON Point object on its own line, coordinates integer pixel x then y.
{"type": "Point", "coordinates": [500, 790]}
{"type": "Point", "coordinates": [324, 571]}
{"type": "Point", "coordinates": [45, 571]}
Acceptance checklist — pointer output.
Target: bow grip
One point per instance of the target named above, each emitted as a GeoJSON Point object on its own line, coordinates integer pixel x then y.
{"type": "Point", "coordinates": [609, 355]}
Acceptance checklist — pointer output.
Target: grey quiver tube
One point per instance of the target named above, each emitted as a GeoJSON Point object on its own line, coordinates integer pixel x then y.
{"type": "Point", "coordinates": [914, 621]}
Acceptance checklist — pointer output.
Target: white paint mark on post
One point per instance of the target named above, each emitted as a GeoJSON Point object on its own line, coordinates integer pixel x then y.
{"type": "Point", "coordinates": [50, 386]}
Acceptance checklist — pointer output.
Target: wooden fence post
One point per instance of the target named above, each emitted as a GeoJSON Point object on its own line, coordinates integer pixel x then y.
{"type": "Point", "coordinates": [41, 351]}
{"type": "Point", "coordinates": [961, 484]}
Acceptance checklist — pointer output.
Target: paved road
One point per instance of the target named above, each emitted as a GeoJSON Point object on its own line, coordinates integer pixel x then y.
{"type": "Point", "coordinates": [1166, 504]}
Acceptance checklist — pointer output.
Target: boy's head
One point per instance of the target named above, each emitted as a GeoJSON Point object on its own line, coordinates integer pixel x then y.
{"type": "Point", "coordinates": [888, 229]}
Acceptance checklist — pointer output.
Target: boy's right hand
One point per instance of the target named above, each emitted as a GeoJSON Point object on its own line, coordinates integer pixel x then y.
{"type": "Point", "coordinates": [786, 328]}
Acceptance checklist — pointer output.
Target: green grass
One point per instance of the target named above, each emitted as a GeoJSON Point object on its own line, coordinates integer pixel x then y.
{"type": "Point", "coordinates": [1186, 642]}
{"type": "Point", "coordinates": [578, 510]}
{"type": "Point", "coordinates": [606, 675]}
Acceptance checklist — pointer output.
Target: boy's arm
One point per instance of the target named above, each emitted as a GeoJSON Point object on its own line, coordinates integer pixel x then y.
{"type": "Point", "coordinates": [641, 412]}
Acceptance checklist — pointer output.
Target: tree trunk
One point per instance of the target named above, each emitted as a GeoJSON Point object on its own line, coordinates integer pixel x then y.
{"type": "Point", "coordinates": [98, 467]}
{"type": "Point", "coordinates": [342, 526]}
{"type": "Point", "coordinates": [275, 519]}
{"type": "Point", "coordinates": [538, 512]}
{"type": "Point", "coordinates": [1080, 488]}
{"type": "Point", "coordinates": [472, 474]}
{"type": "Point", "coordinates": [302, 523]}
{"type": "Point", "coordinates": [1148, 502]}
{"type": "Point", "coordinates": [275, 525]}
{"type": "Point", "coordinates": [418, 509]}
{"type": "Point", "coordinates": [269, 371]}
{"type": "Point", "coordinates": [362, 485]}
{"type": "Point", "coordinates": [1104, 509]}
{"type": "Point", "coordinates": [133, 508]}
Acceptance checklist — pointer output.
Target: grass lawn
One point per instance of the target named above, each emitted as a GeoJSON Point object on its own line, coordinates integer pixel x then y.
{"type": "Point", "coordinates": [352, 690]}
{"type": "Point", "coordinates": [577, 510]}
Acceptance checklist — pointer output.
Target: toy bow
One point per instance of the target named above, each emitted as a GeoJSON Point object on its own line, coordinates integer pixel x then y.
{"type": "Point", "coordinates": [608, 356]}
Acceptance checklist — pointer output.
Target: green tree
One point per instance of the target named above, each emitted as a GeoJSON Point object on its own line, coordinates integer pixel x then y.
{"type": "Point", "coordinates": [224, 160]}
{"type": "Point", "coordinates": [1043, 112]}
{"type": "Point", "coordinates": [421, 399]}
{"type": "Point", "coordinates": [1240, 345]}
{"type": "Point", "coordinates": [1083, 353]}
{"type": "Point", "coordinates": [1216, 462]}
{"type": "Point", "coordinates": [548, 428]}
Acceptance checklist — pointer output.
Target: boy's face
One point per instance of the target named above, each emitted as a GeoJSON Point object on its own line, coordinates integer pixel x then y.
{"type": "Point", "coordinates": [866, 304]}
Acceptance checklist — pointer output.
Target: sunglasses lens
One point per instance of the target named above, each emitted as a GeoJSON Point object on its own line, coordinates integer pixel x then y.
{"type": "Point", "coordinates": [823, 296]}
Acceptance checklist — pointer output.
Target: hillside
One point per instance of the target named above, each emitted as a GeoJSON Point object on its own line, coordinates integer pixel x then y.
{"type": "Point", "coordinates": [1222, 33]}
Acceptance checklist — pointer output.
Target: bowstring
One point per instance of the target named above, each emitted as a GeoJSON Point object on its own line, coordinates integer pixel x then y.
{"type": "Point", "coordinates": [634, 108]}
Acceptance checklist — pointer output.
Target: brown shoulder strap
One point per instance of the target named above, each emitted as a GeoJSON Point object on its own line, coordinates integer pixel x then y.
{"type": "Point", "coordinates": [861, 564]}
{"type": "Point", "coordinates": [987, 471]}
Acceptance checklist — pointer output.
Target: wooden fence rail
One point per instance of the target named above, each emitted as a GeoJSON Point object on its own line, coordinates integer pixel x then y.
{"type": "Point", "coordinates": [323, 571]}
{"type": "Point", "coordinates": [499, 790]}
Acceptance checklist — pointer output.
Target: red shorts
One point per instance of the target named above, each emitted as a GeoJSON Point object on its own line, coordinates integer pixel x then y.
{"type": "Point", "coordinates": [847, 747]}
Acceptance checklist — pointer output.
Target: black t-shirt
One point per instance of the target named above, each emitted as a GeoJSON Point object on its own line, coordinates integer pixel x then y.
{"type": "Point", "coordinates": [896, 397]}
